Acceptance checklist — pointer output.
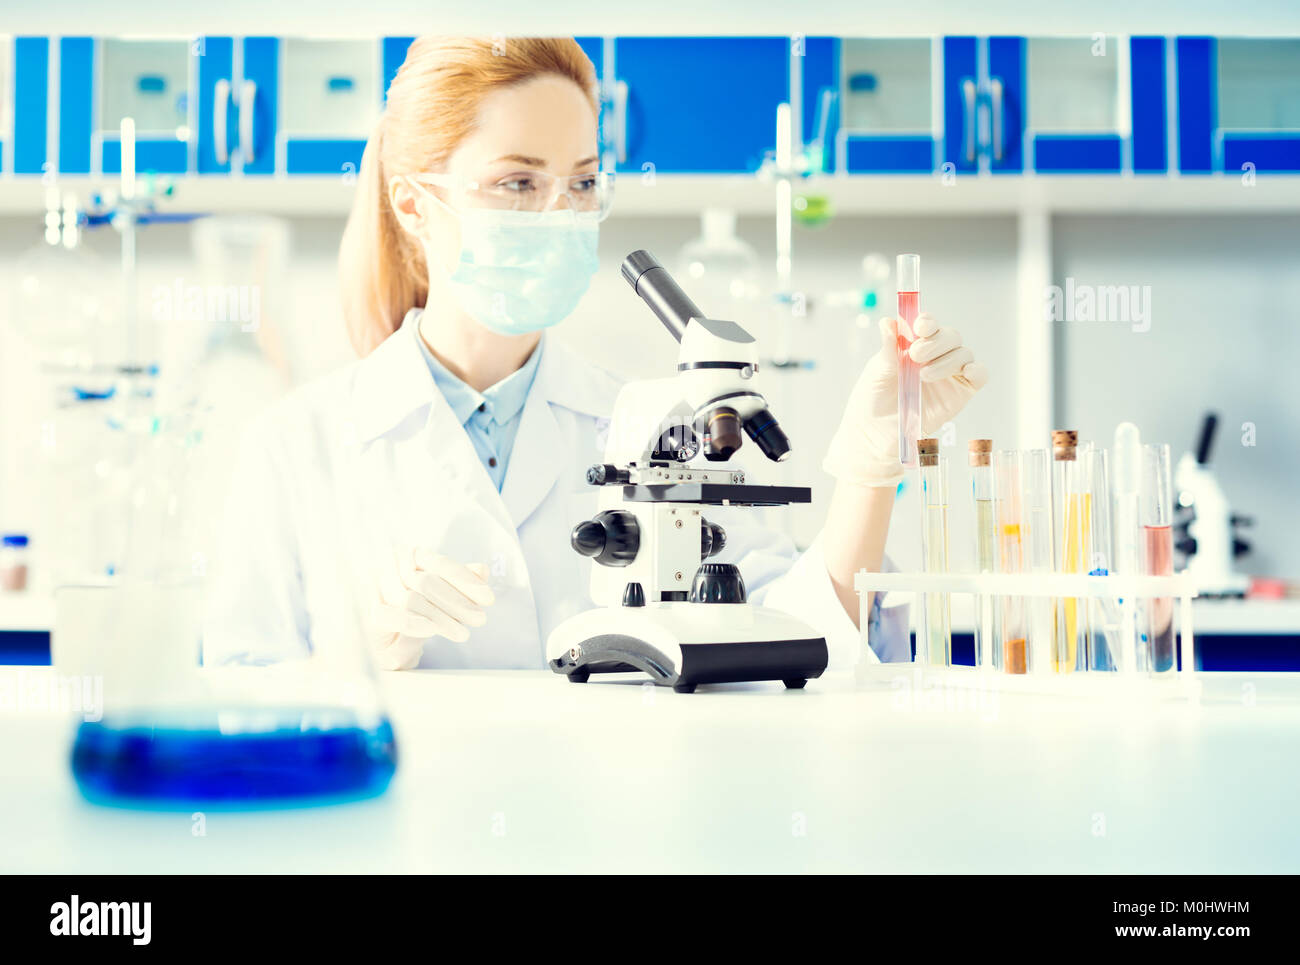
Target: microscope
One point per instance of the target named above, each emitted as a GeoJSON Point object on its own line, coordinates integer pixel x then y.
{"type": "Point", "coordinates": [1207, 532]}
{"type": "Point", "coordinates": [663, 609]}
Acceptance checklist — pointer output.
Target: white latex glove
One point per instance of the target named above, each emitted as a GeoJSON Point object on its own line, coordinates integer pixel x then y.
{"type": "Point", "coordinates": [438, 597]}
{"type": "Point", "coordinates": [864, 450]}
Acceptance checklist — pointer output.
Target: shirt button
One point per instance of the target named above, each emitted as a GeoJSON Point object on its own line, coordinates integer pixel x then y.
{"type": "Point", "coordinates": [492, 461]}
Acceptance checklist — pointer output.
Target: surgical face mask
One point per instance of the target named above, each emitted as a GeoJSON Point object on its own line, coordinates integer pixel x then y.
{"type": "Point", "coordinates": [520, 272]}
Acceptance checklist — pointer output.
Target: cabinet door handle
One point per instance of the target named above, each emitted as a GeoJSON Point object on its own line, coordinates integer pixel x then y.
{"type": "Point", "coordinates": [220, 117]}
{"type": "Point", "coordinates": [620, 121]}
{"type": "Point", "coordinates": [968, 119]}
{"type": "Point", "coordinates": [995, 90]}
{"type": "Point", "coordinates": [247, 101]}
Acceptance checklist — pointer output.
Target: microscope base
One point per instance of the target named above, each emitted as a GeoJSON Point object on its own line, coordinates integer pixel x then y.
{"type": "Point", "coordinates": [681, 645]}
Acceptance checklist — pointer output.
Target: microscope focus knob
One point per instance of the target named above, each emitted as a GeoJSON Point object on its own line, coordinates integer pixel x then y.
{"type": "Point", "coordinates": [603, 474]}
{"type": "Point", "coordinates": [712, 539]}
{"type": "Point", "coordinates": [612, 538]}
{"type": "Point", "coordinates": [717, 583]}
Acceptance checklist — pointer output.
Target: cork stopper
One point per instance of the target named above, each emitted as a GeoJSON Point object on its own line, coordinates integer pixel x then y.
{"type": "Point", "coordinates": [981, 452]}
{"type": "Point", "coordinates": [1064, 443]}
{"type": "Point", "coordinates": [927, 451]}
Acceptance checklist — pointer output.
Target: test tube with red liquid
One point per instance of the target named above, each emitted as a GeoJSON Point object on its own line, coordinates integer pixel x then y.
{"type": "Point", "coordinates": [909, 373]}
{"type": "Point", "coordinates": [1157, 509]}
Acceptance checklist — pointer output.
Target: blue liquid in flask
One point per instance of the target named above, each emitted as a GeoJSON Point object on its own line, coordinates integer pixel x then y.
{"type": "Point", "coordinates": [254, 760]}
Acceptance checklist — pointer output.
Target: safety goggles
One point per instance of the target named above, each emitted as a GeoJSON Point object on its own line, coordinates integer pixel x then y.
{"type": "Point", "coordinates": [588, 196]}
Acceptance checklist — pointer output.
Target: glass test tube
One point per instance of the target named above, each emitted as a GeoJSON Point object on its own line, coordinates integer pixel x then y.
{"type": "Point", "coordinates": [1127, 557]}
{"type": "Point", "coordinates": [909, 373]}
{"type": "Point", "coordinates": [986, 550]}
{"type": "Point", "coordinates": [1158, 554]}
{"type": "Point", "coordinates": [1040, 611]}
{"type": "Point", "coordinates": [1006, 469]}
{"type": "Point", "coordinates": [936, 615]}
{"type": "Point", "coordinates": [1071, 506]}
{"type": "Point", "coordinates": [1103, 612]}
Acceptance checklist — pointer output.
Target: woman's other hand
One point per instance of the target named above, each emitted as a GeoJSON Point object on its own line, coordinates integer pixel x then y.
{"type": "Point", "coordinates": [438, 597]}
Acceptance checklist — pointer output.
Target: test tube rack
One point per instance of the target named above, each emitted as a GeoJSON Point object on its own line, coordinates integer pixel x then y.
{"type": "Point", "coordinates": [1180, 683]}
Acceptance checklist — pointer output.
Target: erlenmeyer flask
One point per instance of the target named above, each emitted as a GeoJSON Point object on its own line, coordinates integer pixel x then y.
{"type": "Point", "coordinates": [722, 270]}
{"type": "Point", "coordinates": [174, 734]}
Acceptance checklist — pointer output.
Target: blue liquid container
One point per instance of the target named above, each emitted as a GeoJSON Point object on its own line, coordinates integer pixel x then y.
{"type": "Point", "coordinates": [237, 759]}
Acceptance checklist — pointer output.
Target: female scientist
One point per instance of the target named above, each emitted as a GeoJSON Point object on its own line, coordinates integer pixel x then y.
{"type": "Point", "coordinates": [421, 499]}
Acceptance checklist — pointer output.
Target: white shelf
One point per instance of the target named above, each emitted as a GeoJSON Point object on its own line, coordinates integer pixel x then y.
{"type": "Point", "coordinates": [679, 195]}
{"type": "Point", "coordinates": [968, 195]}
{"type": "Point", "coordinates": [1265, 617]}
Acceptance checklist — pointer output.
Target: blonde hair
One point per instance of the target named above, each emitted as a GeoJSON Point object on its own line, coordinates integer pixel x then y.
{"type": "Point", "coordinates": [432, 105]}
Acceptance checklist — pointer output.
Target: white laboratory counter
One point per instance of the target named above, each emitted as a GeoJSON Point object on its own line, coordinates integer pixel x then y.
{"type": "Point", "coordinates": [525, 771]}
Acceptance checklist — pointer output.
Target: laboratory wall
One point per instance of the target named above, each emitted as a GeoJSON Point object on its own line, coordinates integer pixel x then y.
{"type": "Point", "coordinates": [1221, 332]}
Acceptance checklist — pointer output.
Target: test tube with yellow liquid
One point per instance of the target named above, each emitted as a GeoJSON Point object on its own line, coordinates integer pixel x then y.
{"type": "Point", "coordinates": [1072, 505]}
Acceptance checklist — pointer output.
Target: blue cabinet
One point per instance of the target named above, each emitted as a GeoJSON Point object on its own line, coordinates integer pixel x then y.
{"type": "Point", "coordinates": [75, 103]}
{"type": "Point", "coordinates": [237, 101]}
{"type": "Point", "coordinates": [257, 110]}
{"type": "Point", "coordinates": [1238, 104]}
{"type": "Point", "coordinates": [868, 106]}
{"type": "Point", "coordinates": [961, 87]}
{"type": "Point", "coordinates": [1148, 70]}
{"type": "Point", "coordinates": [1095, 105]}
{"type": "Point", "coordinates": [147, 81]}
{"type": "Point", "coordinates": [215, 94]}
{"type": "Point", "coordinates": [983, 104]}
{"type": "Point", "coordinates": [30, 100]}
{"type": "Point", "coordinates": [101, 82]}
{"type": "Point", "coordinates": [331, 97]}
{"type": "Point", "coordinates": [887, 106]}
{"type": "Point", "coordinates": [697, 105]}
{"type": "Point", "coordinates": [1006, 92]}
{"type": "Point", "coordinates": [264, 106]}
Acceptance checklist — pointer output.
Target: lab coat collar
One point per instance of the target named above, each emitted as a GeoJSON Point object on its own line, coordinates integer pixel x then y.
{"type": "Point", "coordinates": [566, 378]}
{"type": "Point", "coordinates": [392, 382]}
{"type": "Point", "coordinates": [542, 449]}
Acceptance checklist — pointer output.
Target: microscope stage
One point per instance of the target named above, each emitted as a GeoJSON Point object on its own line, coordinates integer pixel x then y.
{"type": "Point", "coordinates": [716, 494]}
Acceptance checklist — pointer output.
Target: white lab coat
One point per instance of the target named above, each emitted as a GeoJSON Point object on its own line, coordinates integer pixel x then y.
{"type": "Point", "coordinates": [346, 472]}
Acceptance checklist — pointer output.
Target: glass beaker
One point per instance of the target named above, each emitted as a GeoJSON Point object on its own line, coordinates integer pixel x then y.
{"type": "Point", "coordinates": [175, 734]}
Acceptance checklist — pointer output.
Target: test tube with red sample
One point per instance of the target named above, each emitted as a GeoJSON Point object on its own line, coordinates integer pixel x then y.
{"type": "Point", "coordinates": [1157, 511]}
{"type": "Point", "coordinates": [909, 372]}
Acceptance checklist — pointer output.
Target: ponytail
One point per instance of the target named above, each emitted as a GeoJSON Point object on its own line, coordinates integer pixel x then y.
{"type": "Point", "coordinates": [381, 266]}
{"type": "Point", "coordinates": [432, 105]}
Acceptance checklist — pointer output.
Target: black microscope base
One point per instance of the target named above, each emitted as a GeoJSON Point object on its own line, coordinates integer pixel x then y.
{"type": "Point", "coordinates": [793, 662]}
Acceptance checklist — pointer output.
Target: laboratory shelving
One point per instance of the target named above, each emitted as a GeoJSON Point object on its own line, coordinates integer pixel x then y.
{"type": "Point", "coordinates": [685, 195]}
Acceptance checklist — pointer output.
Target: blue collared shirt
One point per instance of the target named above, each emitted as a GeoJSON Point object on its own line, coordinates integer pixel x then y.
{"type": "Point", "coordinates": [491, 418]}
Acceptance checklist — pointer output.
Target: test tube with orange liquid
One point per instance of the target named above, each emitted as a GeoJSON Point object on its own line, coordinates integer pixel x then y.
{"type": "Point", "coordinates": [1011, 553]}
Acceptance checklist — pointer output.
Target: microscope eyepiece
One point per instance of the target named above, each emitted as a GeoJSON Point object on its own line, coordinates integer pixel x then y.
{"type": "Point", "coordinates": [762, 427]}
{"type": "Point", "coordinates": [651, 281]}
